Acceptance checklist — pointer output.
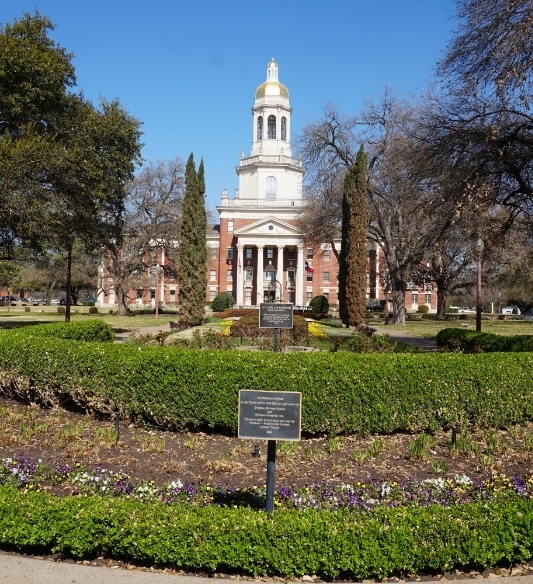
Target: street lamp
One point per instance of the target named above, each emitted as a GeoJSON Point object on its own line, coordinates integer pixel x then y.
{"type": "Point", "coordinates": [479, 251]}
{"type": "Point", "coordinates": [158, 269]}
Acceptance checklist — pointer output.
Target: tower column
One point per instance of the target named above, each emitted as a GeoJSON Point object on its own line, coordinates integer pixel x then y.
{"type": "Point", "coordinates": [240, 258]}
{"type": "Point", "coordinates": [279, 270]}
{"type": "Point", "coordinates": [300, 279]}
{"type": "Point", "coordinates": [259, 275]}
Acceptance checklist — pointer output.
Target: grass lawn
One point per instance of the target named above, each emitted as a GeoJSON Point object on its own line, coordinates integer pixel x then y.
{"type": "Point", "coordinates": [423, 327]}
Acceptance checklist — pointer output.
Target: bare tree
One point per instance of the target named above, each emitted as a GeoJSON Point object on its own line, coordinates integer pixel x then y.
{"type": "Point", "coordinates": [411, 206]}
{"type": "Point", "coordinates": [481, 113]}
{"type": "Point", "coordinates": [150, 228]}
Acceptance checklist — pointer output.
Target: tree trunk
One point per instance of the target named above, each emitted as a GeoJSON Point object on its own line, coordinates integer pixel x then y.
{"type": "Point", "coordinates": [398, 302]}
{"type": "Point", "coordinates": [442, 298]}
{"type": "Point", "coordinates": [69, 282]}
{"type": "Point", "coordinates": [122, 305]}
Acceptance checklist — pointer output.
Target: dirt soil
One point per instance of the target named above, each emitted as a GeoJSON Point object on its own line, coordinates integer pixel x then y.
{"type": "Point", "coordinates": [62, 437]}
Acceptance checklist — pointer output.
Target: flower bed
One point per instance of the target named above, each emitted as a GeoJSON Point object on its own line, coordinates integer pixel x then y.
{"type": "Point", "coordinates": [76, 480]}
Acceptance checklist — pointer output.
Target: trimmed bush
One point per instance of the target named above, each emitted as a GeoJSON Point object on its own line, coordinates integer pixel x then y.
{"type": "Point", "coordinates": [341, 392]}
{"type": "Point", "coordinates": [423, 309]}
{"type": "Point", "coordinates": [319, 304]}
{"type": "Point", "coordinates": [222, 302]}
{"type": "Point", "coordinates": [88, 330]}
{"type": "Point", "coordinates": [469, 341]}
{"type": "Point", "coordinates": [288, 544]}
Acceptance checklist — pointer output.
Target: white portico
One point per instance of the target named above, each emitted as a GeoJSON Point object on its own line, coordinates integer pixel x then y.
{"type": "Point", "coordinates": [257, 226]}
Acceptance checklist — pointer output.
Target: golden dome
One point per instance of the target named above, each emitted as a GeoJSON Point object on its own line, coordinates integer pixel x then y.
{"type": "Point", "coordinates": [272, 87]}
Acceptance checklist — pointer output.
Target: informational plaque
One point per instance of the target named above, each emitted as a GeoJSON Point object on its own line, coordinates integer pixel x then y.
{"type": "Point", "coordinates": [270, 415]}
{"type": "Point", "coordinates": [273, 315]}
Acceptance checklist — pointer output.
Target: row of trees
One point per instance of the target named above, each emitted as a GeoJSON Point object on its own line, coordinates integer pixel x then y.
{"type": "Point", "coordinates": [443, 169]}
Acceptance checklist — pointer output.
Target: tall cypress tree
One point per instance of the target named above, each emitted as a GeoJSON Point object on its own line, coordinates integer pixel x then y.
{"type": "Point", "coordinates": [353, 263]}
{"type": "Point", "coordinates": [193, 250]}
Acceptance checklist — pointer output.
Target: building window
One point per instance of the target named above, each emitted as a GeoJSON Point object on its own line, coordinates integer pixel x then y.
{"type": "Point", "coordinates": [428, 299]}
{"type": "Point", "coordinates": [326, 277]}
{"type": "Point", "coordinates": [271, 127]}
{"type": "Point", "coordinates": [309, 253]}
{"type": "Point", "coordinates": [415, 298]}
{"type": "Point", "coordinates": [248, 275]}
{"type": "Point", "coordinates": [173, 292]}
{"type": "Point", "coordinates": [213, 275]}
{"type": "Point", "coordinates": [212, 294]}
{"type": "Point", "coordinates": [229, 274]}
{"type": "Point", "coordinates": [309, 276]}
{"type": "Point", "coordinates": [291, 254]}
{"type": "Point", "coordinates": [213, 253]}
{"type": "Point", "coordinates": [152, 294]}
{"type": "Point", "coordinates": [326, 294]}
{"type": "Point", "coordinates": [270, 276]}
{"type": "Point", "coordinates": [270, 253]}
{"type": "Point", "coordinates": [309, 297]}
{"type": "Point", "coordinates": [290, 277]}
{"type": "Point", "coordinates": [230, 225]}
{"type": "Point", "coordinates": [260, 128]}
{"type": "Point", "coordinates": [271, 187]}
{"type": "Point", "coordinates": [248, 300]}
{"type": "Point", "coordinates": [230, 253]}
{"type": "Point", "coordinates": [284, 128]}
{"type": "Point", "coordinates": [248, 253]}
{"type": "Point", "coordinates": [326, 255]}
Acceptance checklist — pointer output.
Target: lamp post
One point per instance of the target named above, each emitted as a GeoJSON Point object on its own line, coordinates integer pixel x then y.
{"type": "Point", "coordinates": [158, 270]}
{"type": "Point", "coordinates": [479, 251]}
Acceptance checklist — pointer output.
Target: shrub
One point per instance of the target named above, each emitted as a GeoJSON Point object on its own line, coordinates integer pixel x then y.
{"type": "Point", "coordinates": [469, 341]}
{"type": "Point", "coordinates": [423, 309]}
{"type": "Point", "coordinates": [248, 328]}
{"type": "Point", "coordinates": [222, 302]}
{"type": "Point", "coordinates": [319, 304]}
{"type": "Point", "coordinates": [289, 543]}
{"type": "Point", "coordinates": [88, 330]}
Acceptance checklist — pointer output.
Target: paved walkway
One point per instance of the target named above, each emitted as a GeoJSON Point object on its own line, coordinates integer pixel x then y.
{"type": "Point", "coordinates": [18, 569]}
{"type": "Point", "coordinates": [420, 342]}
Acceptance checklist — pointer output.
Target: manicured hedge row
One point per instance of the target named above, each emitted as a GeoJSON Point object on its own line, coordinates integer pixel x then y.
{"type": "Point", "coordinates": [341, 393]}
{"type": "Point", "coordinates": [287, 543]}
{"type": "Point", "coordinates": [471, 341]}
{"type": "Point", "coordinates": [88, 330]}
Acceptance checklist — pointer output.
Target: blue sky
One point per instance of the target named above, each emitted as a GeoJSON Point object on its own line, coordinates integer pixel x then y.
{"type": "Point", "coordinates": [189, 69]}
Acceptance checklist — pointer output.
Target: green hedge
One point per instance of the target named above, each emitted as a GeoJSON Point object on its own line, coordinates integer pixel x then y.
{"type": "Point", "coordinates": [470, 341]}
{"type": "Point", "coordinates": [286, 543]}
{"type": "Point", "coordinates": [89, 330]}
{"type": "Point", "coordinates": [341, 393]}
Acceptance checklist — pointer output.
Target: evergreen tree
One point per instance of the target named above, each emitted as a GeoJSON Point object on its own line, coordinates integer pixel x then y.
{"type": "Point", "coordinates": [193, 249]}
{"type": "Point", "coordinates": [353, 262]}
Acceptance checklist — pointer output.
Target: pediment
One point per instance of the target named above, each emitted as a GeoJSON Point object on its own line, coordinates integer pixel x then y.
{"type": "Point", "coordinates": [269, 226]}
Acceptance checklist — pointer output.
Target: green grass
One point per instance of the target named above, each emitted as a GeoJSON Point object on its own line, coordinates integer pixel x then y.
{"type": "Point", "coordinates": [423, 327]}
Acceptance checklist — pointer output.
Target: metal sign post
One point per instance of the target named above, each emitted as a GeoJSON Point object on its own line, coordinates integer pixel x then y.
{"type": "Point", "coordinates": [270, 415]}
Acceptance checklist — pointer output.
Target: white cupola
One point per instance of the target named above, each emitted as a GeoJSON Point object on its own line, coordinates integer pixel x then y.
{"type": "Point", "coordinates": [272, 116]}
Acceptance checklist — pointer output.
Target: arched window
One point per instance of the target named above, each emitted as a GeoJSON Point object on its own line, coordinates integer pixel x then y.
{"type": "Point", "coordinates": [284, 128]}
{"type": "Point", "coordinates": [260, 128]}
{"type": "Point", "coordinates": [271, 187]}
{"type": "Point", "coordinates": [271, 127]}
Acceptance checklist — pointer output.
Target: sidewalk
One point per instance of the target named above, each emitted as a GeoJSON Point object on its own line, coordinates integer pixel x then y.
{"type": "Point", "coordinates": [420, 342]}
{"type": "Point", "coordinates": [17, 569]}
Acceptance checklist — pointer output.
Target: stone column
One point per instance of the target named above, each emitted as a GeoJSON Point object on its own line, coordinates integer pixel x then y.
{"type": "Point", "coordinates": [279, 271]}
{"type": "Point", "coordinates": [300, 277]}
{"type": "Point", "coordinates": [240, 274]}
{"type": "Point", "coordinates": [259, 275]}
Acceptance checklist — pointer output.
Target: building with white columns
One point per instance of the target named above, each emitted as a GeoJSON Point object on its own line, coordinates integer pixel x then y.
{"type": "Point", "coordinates": [256, 252]}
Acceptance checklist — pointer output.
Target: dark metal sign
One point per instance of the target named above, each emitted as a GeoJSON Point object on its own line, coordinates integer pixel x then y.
{"type": "Point", "coordinates": [273, 315]}
{"type": "Point", "coordinates": [270, 415]}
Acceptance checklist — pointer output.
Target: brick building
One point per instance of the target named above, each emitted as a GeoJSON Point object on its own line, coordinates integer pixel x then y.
{"type": "Point", "coordinates": [256, 251]}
